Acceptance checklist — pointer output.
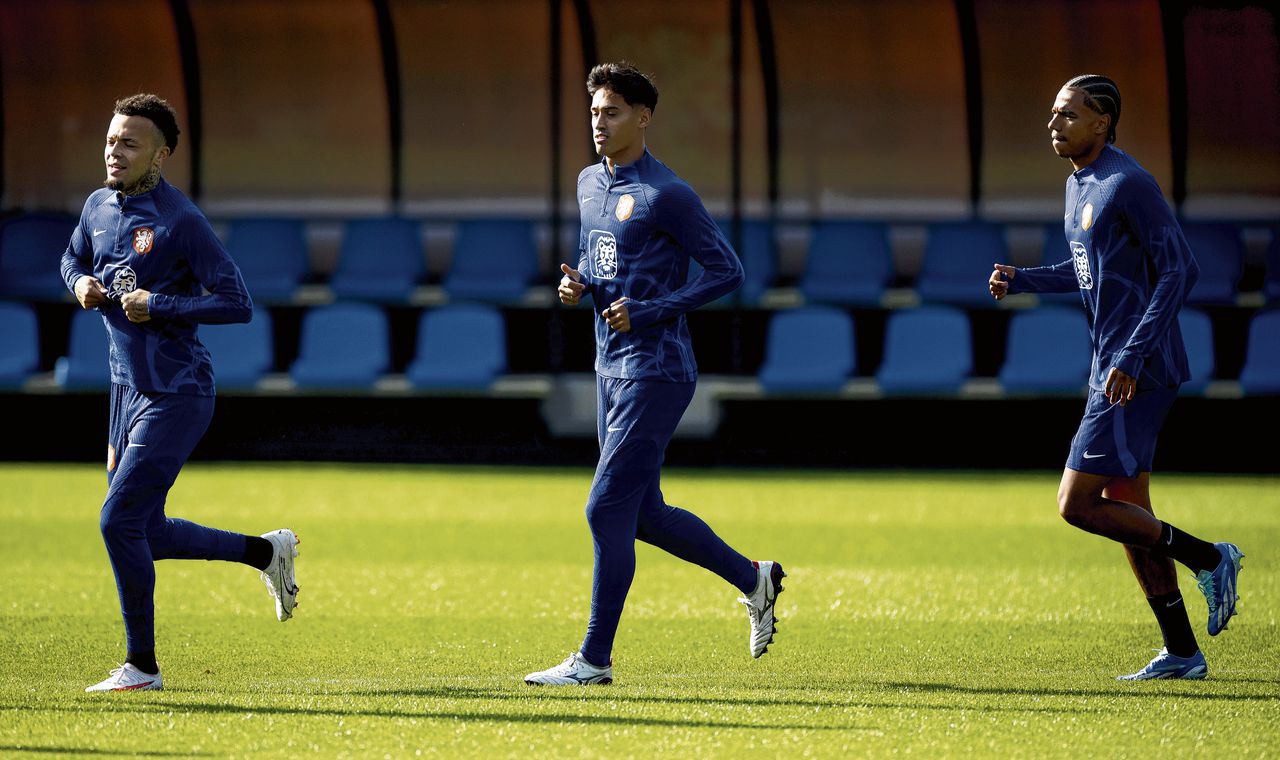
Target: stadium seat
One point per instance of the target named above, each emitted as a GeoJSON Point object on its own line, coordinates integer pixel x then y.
{"type": "Point", "coordinates": [1048, 351]}
{"type": "Point", "coordinates": [460, 347]}
{"type": "Point", "coordinates": [927, 350]}
{"type": "Point", "coordinates": [381, 260]}
{"type": "Point", "coordinates": [271, 254]}
{"type": "Point", "coordinates": [1271, 286]}
{"type": "Point", "coordinates": [756, 252]}
{"type": "Point", "coordinates": [242, 353]}
{"type": "Point", "coordinates": [31, 249]}
{"type": "Point", "coordinates": [494, 260]}
{"type": "Point", "coordinates": [19, 344]}
{"type": "Point", "coordinates": [809, 350]}
{"type": "Point", "coordinates": [1197, 335]}
{"type": "Point", "coordinates": [1219, 250]}
{"type": "Point", "coordinates": [1261, 373]}
{"type": "Point", "coordinates": [849, 264]}
{"type": "Point", "coordinates": [957, 262]}
{"type": "Point", "coordinates": [87, 363]}
{"type": "Point", "coordinates": [345, 346]}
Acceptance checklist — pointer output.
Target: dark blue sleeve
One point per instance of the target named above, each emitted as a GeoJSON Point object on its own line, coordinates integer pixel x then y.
{"type": "Point", "coordinates": [1157, 231]}
{"type": "Point", "coordinates": [681, 215]}
{"type": "Point", "coordinates": [1059, 278]}
{"type": "Point", "coordinates": [227, 300]}
{"type": "Point", "coordinates": [77, 259]}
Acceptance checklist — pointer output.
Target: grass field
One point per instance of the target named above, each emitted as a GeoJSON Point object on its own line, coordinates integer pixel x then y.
{"type": "Point", "coordinates": [925, 614]}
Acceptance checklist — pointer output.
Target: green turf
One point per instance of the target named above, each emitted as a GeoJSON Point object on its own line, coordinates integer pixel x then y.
{"type": "Point", "coordinates": [925, 614]}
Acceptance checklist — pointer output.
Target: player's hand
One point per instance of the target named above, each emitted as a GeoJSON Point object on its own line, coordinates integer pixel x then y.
{"type": "Point", "coordinates": [999, 282]}
{"type": "Point", "coordinates": [571, 287]}
{"type": "Point", "coordinates": [1120, 388]}
{"type": "Point", "coordinates": [617, 315]}
{"type": "Point", "coordinates": [90, 292]}
{"type": "Point", "coordinates": [136, 305]}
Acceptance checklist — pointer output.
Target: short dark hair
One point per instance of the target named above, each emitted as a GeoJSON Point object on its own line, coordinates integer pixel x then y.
{"type": "Point", "coordinates": [1102, 95]}
{"type": "Point", "coordinates": [626, 80]}
{"type": "Point", "coordinates": [155, 108]}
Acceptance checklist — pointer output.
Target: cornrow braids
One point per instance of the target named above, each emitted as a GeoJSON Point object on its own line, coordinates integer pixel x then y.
{"type": "Point", "coordinates": [1100, 94]}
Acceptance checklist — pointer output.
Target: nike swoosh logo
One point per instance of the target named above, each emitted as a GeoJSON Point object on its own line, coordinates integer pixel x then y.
{"type": "Point", "coordinates": [1087, 455]}
{"type": "Point", "coordinates": [613, 430]}
{"type": "Point", "coordinates": [139, 445]}
{"type": "Point", "coordinates": [98, 232]}
{"type": "Point", "coordinates": [1174, 603]}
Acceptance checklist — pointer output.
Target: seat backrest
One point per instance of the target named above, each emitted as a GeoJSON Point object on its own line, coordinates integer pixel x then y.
{"type": "Point", "coordinates": [1048, 350]}
{"type": "Point", "coordinates": [19, 342]}
{"type": "Point", "coordinates": [463, 340]}
{"type": "Point", "coordinates": [388, 246]}
{"type": "Point", "coordinates": [1219, 250]}
{"type": "Point", "coordinates": [849, 251]}
{"type": "Point", "coordinates": [963, 250]}
{"type": "Point", "coordinates": [812, 340]}
{"type": "Point", "coordinates": [271, 254]}
{"type": "Point", "coordinates": [1262, 356]}
{"type": "Point", "coordinates": [87, 363]}
{"type": "Point", "coordinates": [757, 253]}
{"type": "Point", "coordinates": [346, 334]}
{"type": "Point", "coordinates": [242, 353]}
{"type": "Point", "coordinates": [1197, 336]}
{"type": "Point", "coordinates": [31, 249]}
{"type": "Point", "coordinates": [1271, 286]}
{"type": "Point", "coordinates": [927, 347]}
{"type": "Point", "coordinates": [495, 248]}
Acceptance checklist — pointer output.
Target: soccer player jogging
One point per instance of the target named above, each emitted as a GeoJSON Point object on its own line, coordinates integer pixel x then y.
{"type": "Point", "coordinates": [143, 255]}
{"type": "Point", "coordinates": [1133, 268]}
{"type": "Point", "coordinates": [641, 225]}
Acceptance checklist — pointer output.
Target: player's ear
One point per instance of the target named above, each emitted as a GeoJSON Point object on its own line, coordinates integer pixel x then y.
{"type": "Point", "coordinates": [1103, 125]}
{"type": "Point", "coordinates": [646, 114]}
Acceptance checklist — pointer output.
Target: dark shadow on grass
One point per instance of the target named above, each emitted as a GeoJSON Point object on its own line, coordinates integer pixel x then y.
{"type": "Point", "coordinates": [487, 717]}
{"type": "Point", "coordinates": [1122, 689]}
{"type": "Point", "coordinates": [7, 748]}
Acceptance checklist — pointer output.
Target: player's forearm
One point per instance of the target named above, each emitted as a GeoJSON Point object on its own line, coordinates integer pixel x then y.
{"type": "Point", "coordinates": [715, 281]}
{"type": "Point", "coordinates": [73, 269]}
{"type": "Point", "coordinates": [1166, 301]}
{"type": "Point", "coordinates": [1059, 278]}
{"type": "Point", "coordinates": [212, 309]}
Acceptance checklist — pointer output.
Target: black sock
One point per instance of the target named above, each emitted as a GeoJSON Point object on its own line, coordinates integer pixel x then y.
{"type": "Point", "coordinates": [144, 661]}
{"type": "Point", "coordinates": [257, 552]}
{"type": "Point", "coordinates": [1187, 549]}
{"type": "Point", "coordinates": [1171, 614]}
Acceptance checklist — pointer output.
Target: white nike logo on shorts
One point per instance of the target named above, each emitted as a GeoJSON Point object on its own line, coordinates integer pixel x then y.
{"type": "Point", "coordinates": [1087, 455]}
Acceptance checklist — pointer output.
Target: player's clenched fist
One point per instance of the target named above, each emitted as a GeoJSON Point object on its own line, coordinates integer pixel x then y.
{"type": "Point", "coordinates": [618, 316]}
{"type": "Point", "coordinates": [571, 287]}
{"type": "Point", "coordinates": [137, 306]}
{"type": "Point", "coordinates": [89, 292]}
{"type": "Point", "coordinates": [999, 282]}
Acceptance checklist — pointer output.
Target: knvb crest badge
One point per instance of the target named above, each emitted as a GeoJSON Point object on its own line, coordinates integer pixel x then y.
{"type": "Point", "coordinates": [603, 247]}
{"type": "Point", "coordinates": [1083, 275]}
{"type": "Point", "coordinates": [626, 204]}
{"type": "Point", "coordinates": [143, 237]}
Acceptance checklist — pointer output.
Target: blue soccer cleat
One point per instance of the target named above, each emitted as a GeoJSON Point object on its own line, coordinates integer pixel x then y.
{"type": "Point", "coordinates": [1167, 665]}
{"type": "Point", "coordinates": [1219, 587]}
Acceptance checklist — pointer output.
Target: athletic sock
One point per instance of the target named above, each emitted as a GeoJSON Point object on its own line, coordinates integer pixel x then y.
{"type": "Point", "coordinates": [258, 552]}
{"type": "Point", "coordinates": [1171, 614]}
{"type": "Point", "coordinates": [144, 661]}
{"type": "Point", "coordinates": [1187, 549]}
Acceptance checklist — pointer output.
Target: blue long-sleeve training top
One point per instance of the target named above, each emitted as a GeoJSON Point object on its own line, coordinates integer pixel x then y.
{"type": "Point", "coordinates": [1132, 266]}
{"type": "Point", "coordinates": [160, 242]}
{"type": "Point", "coordinates": [640, 227]}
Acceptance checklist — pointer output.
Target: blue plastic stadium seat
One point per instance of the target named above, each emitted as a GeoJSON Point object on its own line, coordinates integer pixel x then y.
{"type": "Point", "coordinates": [809, 350]}
{"type": "Point", "coordinates": [957, 262]}
{"type": "Point", "coordinates": [31, 249]}
{"type": "Point", "coordinates": [1048, 351]}
{"type": "Point", "coordinates": [242, 353]}
{"type": "Point", "coordinates": [344, 346]}
{"type": "Point", "coordinates": [381, 260]}
{"type": "Point", "coordinates": [494, 260]}
{"type": "Point", "coordinates": [1219, 250]}
{"type": "Point", "coordinates": [849, 263]}
{"type": "Point", "coordinates": [927, 351]}
{"type": "Point", "coordinates": [19, 344]}
{"type": "Point", "coordinates": [1261, 373]}
{"type": "Point", "coordinates": [1197, 335]}
{"type": "Point", "coordinates": [87, 364]}
{"type": "Point", "coordinates": [461, 347]}
{"type": "Point", "coordinates": [756, 252]}
{"type": "Point", "coordinates": [271, 254]}
{"type": "Point", "coordinates": [1271, 287]}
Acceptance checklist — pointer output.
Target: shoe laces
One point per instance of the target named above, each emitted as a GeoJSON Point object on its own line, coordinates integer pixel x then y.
{"type": "Point", "coordinates": [1208, 587]}
{"type": "Point", "coordinates": [752, 610]}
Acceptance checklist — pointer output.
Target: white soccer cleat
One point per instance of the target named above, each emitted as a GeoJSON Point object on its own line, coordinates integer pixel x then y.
{"type": "Point", "coordinates": [574, 671]}
{"type": "Point", "coordinates": [279, 574]}
{"type": "Point", "coordinates": [128, 678]}
{"type": "Point", "coordinates": [760, 606]}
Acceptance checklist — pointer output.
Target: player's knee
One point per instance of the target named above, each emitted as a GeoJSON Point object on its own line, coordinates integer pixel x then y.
{"type": "Point", "coordinates": [1073, 509]}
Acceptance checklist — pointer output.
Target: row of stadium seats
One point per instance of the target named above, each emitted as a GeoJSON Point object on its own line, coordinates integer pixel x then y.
{"type": "Point", "coordinates": [496, 261]}
{"type": "Point", "coordinates": [809, 350]}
